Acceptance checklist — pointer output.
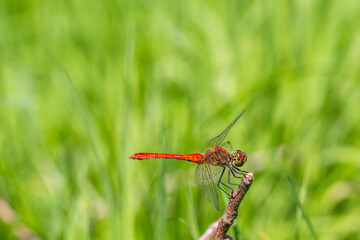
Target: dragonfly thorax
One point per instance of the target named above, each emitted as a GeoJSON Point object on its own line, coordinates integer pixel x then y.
{"type": "Point", "coordinates": [216, 156]}
{"type": "Point", "coordinates": [238, 158]}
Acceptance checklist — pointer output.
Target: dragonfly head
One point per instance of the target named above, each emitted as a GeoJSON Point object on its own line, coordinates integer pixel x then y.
{"type": "Point", "coordinates": [239, 158]}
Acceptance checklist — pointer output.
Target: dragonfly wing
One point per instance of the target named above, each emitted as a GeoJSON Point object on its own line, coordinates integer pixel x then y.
{"type": "Point", "coordinates": [204, 181]}
{"type": "Point", "coordinates": [220, 138]}
{"type": "Point", "coordinates": [227, 145]}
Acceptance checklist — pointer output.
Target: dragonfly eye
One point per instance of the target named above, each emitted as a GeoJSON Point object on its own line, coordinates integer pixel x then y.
{"type": "Point", "coordinates": [240, 158]}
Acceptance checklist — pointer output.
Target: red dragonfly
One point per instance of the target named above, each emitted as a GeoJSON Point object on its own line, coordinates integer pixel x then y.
{"type": "Point", "coordinates": [211, 164]}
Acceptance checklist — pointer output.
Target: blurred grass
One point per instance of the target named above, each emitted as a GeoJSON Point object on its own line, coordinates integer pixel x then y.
{"type": "Point", "coordinates": [84, 84]}
{"type": "Point", "coordinates": [303, 213]}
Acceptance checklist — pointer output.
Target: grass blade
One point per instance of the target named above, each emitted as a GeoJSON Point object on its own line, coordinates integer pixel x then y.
{"type": "Point", "coordinates": [307, 219]}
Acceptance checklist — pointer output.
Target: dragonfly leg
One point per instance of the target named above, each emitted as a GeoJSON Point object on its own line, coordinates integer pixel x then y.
{"type": "Point", "coordinates": [229, 177]}
{"type": "Point", "coordinates": [224, 189]}
{"type": "Point", "coordinates": [234, 173]}
{"type": "Point", "coordinates": [238, 170]}
{"type": "Point", "coordinates": [219, 182]}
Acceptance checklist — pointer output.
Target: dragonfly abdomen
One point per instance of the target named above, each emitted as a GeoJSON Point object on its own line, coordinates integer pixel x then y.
{"type": "Point", "coordinates": [195, 157]}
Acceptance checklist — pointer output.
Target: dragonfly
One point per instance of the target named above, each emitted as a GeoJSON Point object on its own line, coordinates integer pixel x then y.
{"type": "Point", "coordinates": [213, 165]}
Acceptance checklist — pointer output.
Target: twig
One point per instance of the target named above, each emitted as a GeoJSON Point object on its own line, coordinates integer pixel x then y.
{"type": "Point", "coordinates": [210, 231]}
{"type": "Point", "coordinates": [221, 226]}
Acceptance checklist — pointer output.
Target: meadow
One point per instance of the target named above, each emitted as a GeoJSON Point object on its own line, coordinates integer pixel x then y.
{"type": "Point", "coordinates": [84, 84]}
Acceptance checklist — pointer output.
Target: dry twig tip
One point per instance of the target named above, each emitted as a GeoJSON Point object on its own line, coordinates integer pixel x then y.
{"type": "Point", "coordinates": [221, 226]}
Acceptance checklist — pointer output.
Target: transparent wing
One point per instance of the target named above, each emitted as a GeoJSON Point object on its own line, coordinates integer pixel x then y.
{"type": "Point", "coordinates": [220, 138]}
{"type": "Point", "coordinates": [204, 180]}
{"type": "Point", "coordinates": [227, 145]}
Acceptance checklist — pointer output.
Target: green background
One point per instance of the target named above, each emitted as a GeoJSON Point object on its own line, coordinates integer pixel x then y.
{"type": "Point", "coordinates": [84, 84]}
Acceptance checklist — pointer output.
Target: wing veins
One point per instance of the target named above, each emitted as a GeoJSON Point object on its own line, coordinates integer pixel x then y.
{"type": "Point", "coordinates": [204, 180]}
{"type": "Point", "coordinates": [220, 138]}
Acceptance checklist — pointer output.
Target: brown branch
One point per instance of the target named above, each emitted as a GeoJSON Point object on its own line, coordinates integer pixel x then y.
{"type": "Point", "coordinates": [221, 226]}
{"type": "Point", "coordinates": [210, 231]}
